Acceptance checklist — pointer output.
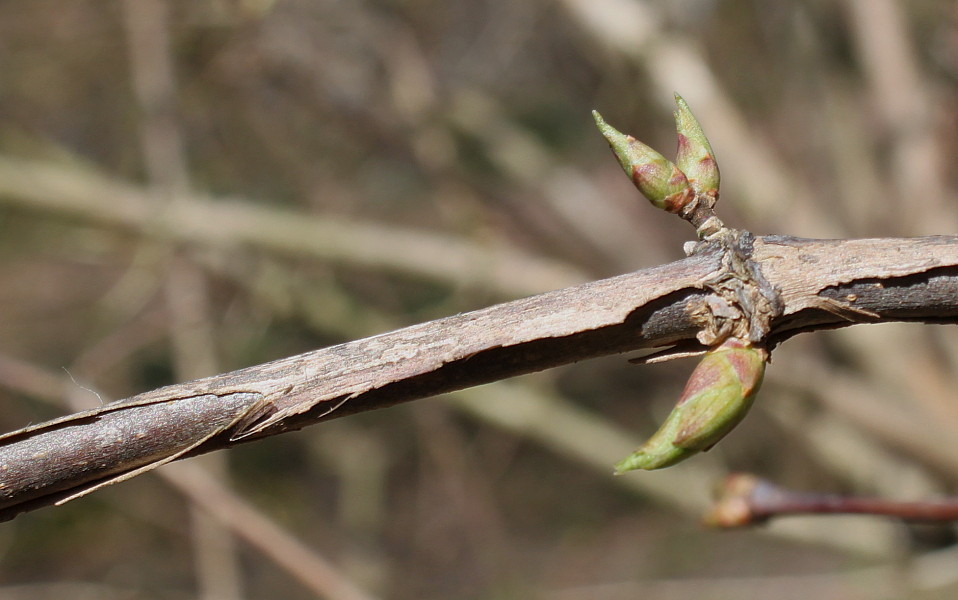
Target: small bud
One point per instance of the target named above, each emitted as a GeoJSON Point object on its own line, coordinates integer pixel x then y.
{"type": "Point", "coordinates": [734, 506]}
{"type": "Point", "coordinates": [656, 177]}
{"type": "Point", "coordinates": [694, 156]}
{"type": "Point", "coordinates": [716, 398]}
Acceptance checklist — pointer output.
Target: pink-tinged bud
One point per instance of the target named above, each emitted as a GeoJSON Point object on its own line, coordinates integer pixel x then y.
{"type": "Point", "coordinates": [694, 156]}
{"type": "Point", "coordinates": [716, 398]}
{"type": "Point", "coordinates": [657, 178]}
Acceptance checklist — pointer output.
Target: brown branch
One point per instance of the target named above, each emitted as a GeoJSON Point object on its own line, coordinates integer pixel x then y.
{"type": "Point", "coordinates": [745, 499]}
{"type": "Point", "coordinates": [819, 283]}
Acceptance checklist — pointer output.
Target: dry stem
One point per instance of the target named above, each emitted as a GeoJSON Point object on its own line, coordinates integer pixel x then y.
{"type": "Point", "coordinates": [821, 284]}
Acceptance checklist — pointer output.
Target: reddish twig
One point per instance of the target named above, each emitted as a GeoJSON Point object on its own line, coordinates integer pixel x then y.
{"type": "Point", "coordinates": [745, 499]}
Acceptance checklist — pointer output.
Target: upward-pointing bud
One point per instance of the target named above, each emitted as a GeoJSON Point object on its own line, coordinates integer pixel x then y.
{"type": "Point", "coordinates": [695, 157]}
{"type": "Point", "coordinates": [663, 183]}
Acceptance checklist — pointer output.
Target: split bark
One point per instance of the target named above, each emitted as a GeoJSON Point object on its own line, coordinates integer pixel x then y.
{"type": "Point", "coordinates": [817, 284]}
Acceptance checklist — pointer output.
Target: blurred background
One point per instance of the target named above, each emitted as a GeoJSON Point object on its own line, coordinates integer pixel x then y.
{"type": "Point", "coordinates": [192, 187]}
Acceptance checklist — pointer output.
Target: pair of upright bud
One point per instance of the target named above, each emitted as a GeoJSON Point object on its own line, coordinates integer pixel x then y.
{"type": "Point", "coordinates": [669, 186]}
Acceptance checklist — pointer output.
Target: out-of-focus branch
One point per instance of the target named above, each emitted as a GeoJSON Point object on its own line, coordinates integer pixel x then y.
{"type": "Point", "coordinates": [748, 500]}
{"type": "Point", "coordinates": [84, 194]}
{"type": "Point", "coordinates": [821, 284]}
{"type": "Point", "coordinates": [907, 115]}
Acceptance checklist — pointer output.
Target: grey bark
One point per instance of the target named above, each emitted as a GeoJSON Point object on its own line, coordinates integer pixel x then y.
{"type": "Point", "coordinates": [817, 284]}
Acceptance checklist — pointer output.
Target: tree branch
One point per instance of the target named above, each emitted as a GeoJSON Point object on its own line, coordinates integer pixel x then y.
{"type": "Point", "coordinates": [819, 283]}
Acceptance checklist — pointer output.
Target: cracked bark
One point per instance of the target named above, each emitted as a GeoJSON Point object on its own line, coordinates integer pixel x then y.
{"type": "Point", "coordinates": [820, 284]}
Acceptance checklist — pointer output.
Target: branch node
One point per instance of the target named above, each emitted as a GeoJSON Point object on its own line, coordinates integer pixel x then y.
{"type": "Point", "coordinates": [742, 303]}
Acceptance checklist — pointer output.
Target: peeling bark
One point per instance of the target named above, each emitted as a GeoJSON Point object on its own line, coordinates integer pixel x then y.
{"type": "Point", "coordinates": [819, 284]}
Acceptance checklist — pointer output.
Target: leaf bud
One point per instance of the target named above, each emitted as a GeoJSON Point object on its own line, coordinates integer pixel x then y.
{"type": "Point", "coordinates": [716, 398]}
{"type": "Point", "coordinates": [695, 157]}
{"type": "Point", "coordinates": [659, 180]}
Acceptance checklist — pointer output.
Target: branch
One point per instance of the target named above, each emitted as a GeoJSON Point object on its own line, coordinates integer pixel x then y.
{"type": "Point", "coordinates": [745, 499]}
{"type": "Point", "coordinates": [820, 284]}
{"type": "Point", "coordinates": [192, 219]}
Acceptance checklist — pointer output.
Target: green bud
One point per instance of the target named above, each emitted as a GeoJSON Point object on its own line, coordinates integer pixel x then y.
{"type": "Point", "coordinates": [656, 177]}
{"type": "Point", "coordinates": [658, 451]}
{"type": "Point", "coordinates": [695, 157]}
{"type": "Point", "coordinates": [716, 398]}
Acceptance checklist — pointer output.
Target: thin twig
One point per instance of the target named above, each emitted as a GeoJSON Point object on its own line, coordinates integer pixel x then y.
{"type": "Point", "coordinates": [748, 500]}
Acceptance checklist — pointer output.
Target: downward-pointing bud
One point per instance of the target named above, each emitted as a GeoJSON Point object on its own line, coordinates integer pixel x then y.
{"type": "Point", "coordinates": [716, 398]}
{"type": "Point", "coordinates": [695, 157]}
{"type": "Point", "coordinates": [663, 183]}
